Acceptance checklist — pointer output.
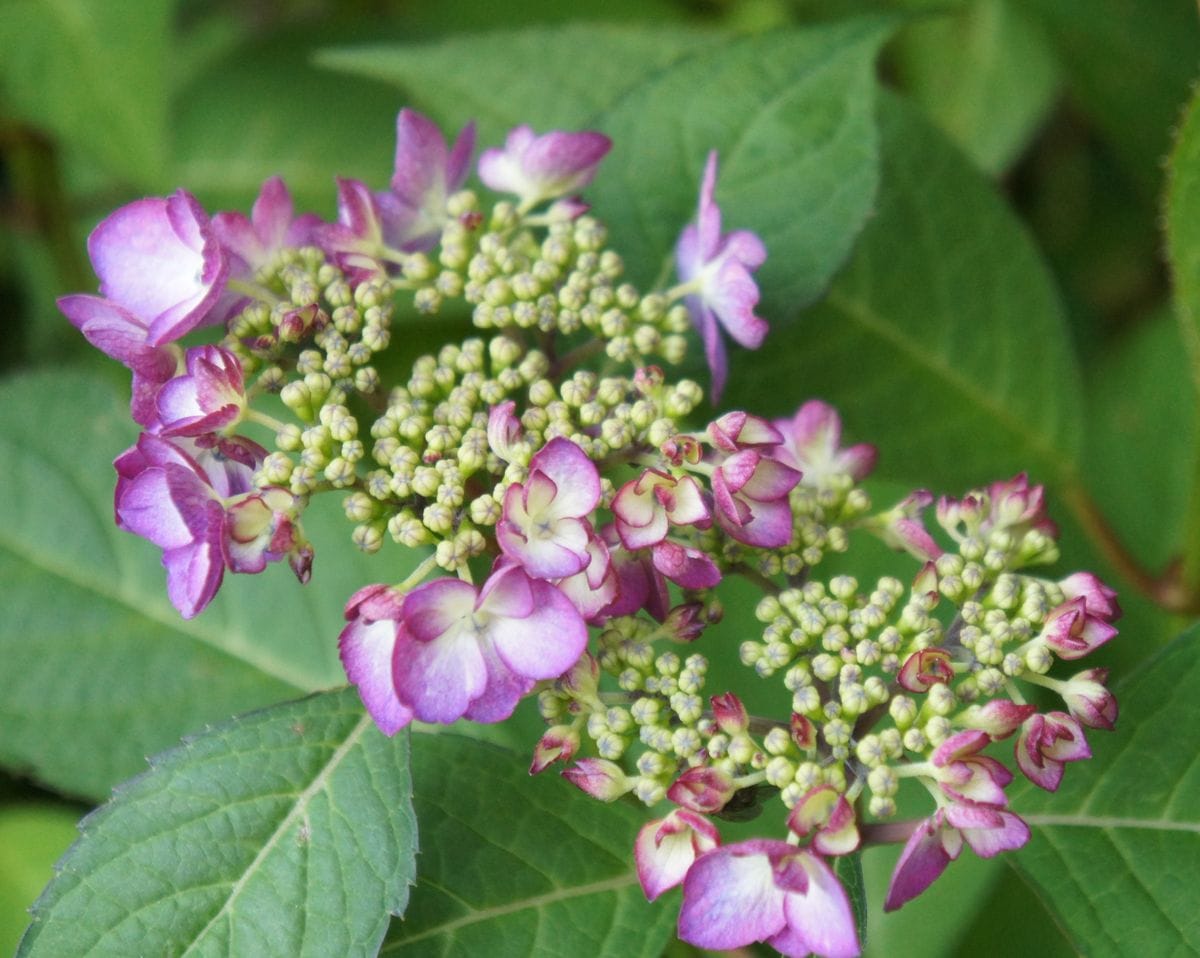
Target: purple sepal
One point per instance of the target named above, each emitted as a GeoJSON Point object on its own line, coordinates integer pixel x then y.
{"type": "Point", "coordinates": [537, 168]}
{"type": "Point", "coordinates": [158, 259]}
{"type": "Point", "coordinates": [666, 848]}
{"type": "Point", "coordinates": [764, 890]}
{"type": "Point", "coordinates": [721, 267]}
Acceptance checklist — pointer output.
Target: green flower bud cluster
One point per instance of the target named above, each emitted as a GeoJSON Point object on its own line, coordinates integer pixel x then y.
{"type": "Point", "coordinates": [564, 283]}
{"type": "Point", "coordinates": [416, 461]}
{"type": "Point", "coordinates": [840, 651]}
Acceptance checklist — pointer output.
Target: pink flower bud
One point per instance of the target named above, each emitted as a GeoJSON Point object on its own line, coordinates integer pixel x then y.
{"type": "Point", "coordinates": [559, 744]}
{"type": "Point", "coordinates": [999, 717]}
{"type": "Point", "coordinates": [730, 714]}
{"type": "Point", "coordinates": [702, 789]}
{"type": "Point", "coordinates": [1072, 631]}
{"type": "Point", "coordinates": [804, 733]}
{"type": "Point", "coordinates": [600, 778]}
{"type": "Point", "coordinates": [1089, 701]}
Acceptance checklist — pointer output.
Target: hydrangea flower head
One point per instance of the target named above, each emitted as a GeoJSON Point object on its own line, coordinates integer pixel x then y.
{"type": "Point", "coordinates": [719, 267]}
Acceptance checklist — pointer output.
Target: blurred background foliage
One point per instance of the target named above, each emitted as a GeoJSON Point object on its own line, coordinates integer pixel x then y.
{"type": "Point", "coordinates": [1064, 109]}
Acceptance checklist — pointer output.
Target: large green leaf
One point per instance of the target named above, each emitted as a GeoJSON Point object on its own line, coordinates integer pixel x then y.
{"type": "Point", "coordinates": [1129, 64]}
{"type": "Point", "coordinates": [943, 341]}
{"type": "Point", "coordinates": [791, 114]}
{"type": "Point", "coordinates": [984, 73]}
{"type": "Point", "coordinates": [1183, 232]}
{"type": "Point", "coordinates": [285, 832]}
{"type": "Point", "coordinates": [1115, 849]}
{"type": "Point", "coordinates": [100, 670]}
{"type": "Point", "coordinates": [544, 76]}
{"type": "Point", "coordinates": [513, 865]}
{"type": "Point", "coordinates": [94, 73]}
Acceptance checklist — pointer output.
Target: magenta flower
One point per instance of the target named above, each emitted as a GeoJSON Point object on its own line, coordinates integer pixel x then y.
{"type": "Point", "coordinates": [118, 333]}
{"type": "Point", "coordinates": [938, 841]}
{"type": "Point", "coordinates": [543, 526]}
{"type": "Point", "coordinates": [812, 443]}
{"type": "Point", "coordinates": [367, 646]}
{"type": "Point", "coordinates": [209, 397]}
{"type": "Point", "coordinates": [203, 511]}
{"type": "Point", "coordinates": [965, 775]}
{"type": "Point", "coordinates": [715, 270]}
{"type": "Point", "coordinates": [457, 651]}
{"type": "Point", "coordinates": [737, 430]}
{"type": "Point", "coordinates": [1045, 743]}
{"type": "Point", "coordinates": [824, 814]}
{"type": "Point", "coordinates": [666, 848]}
{"type": "Point", "coordinates": [359, 241]}
{"type": "Point", "coordinates": [764, 890]}
{"type": "Point", "coordinates": [253, 242]}
{"type": "Point", "coordinates": [750, 491]}
{"type": "Point", "coordinates": [646, 507]}
{"type": "Point", "coordinates": [639, 584]}
{"type": "Point", "coordinates": [1072, 630]}
{"type": "Point", "coordinates": [1013, 505]}
{"type": "Point", "coordinates": [1089, 700]}
{"type": "Point", "coordinates": [426, 174]}
{"type": "Point", "coordinates": [159, 260]}
{"type": "Point", "coordinates": [684, 565]}
{"type": "Point", "coordinates": [594, 588]}
{"type": "Point", "coordinates": [536, 168]}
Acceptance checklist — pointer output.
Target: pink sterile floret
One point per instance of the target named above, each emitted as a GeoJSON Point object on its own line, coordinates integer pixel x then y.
{"type": "Point", "coordinates": [536, 168]}
{"type": "Point", "coordinates": [720, 266]}
{"type": "Point", "coordinates": [812, 443]}
{"type": "Point", "coordinates": [158, 259]}
{"type": "Point", "coordinates": [765, 890]}
{"type": "Point", "coordinates": [456, 651]}
{"type": "Point", "coordinates": [938, 840]}
{"type": "Point", "coordinates": [544, 526]}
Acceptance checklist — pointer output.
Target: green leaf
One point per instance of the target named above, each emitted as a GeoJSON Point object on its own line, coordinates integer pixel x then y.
{"type": "Point", "coordinates": [285, 832]}
{"type": "Point", "coordinates": [1129, 65]}
{"type": "Point", "coordinates": [984, 74]}
{"type": "Point", "coordinates": [1114, 849]}
{"type": "Point", "coordinates": [263, 111]}
{"type": "Point", "coordinates": [100, 670]}
{"type": "Point", "coordinates": [791, 114]}
{"type": "Point", "coordinates": [32, 838]}
{"type": "Point", "coordinates": [1142, 437]}
{"type": "Point", "coordinates": [544, 76]}
{"type": "Point", "coordinates": [1183, 232]}
{"type": "Point", "coordinates": [514, 865]}
{"type": "Point", "coordinates": [93, 73]}
{"type": "Point", "coordinates": [943, 341]}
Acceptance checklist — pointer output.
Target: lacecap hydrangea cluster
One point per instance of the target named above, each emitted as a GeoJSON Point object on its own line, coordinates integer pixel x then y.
{"type": "Point", "coordinates": [579, 525]}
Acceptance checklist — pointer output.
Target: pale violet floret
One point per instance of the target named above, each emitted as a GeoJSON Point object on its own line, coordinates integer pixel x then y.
{"type": "Point", "coordinates": [714, 270]}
